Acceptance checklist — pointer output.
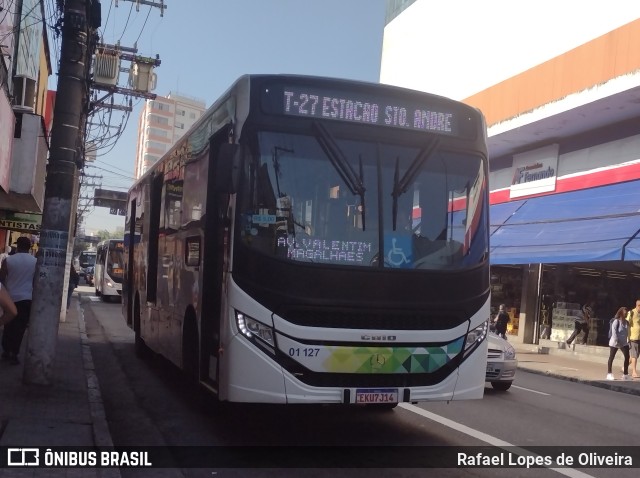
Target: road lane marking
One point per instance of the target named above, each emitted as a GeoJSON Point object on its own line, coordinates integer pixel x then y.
{"type": "Point", "coordinates": [491, 440]}
{"type": "Point", "coordinates": [532, 391]}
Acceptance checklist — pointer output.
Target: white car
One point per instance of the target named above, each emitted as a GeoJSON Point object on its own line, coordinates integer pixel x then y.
{"type": "Point", "coordinates": [501, 363]}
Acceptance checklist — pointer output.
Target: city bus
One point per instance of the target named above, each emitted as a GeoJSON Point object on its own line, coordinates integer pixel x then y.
{"type": "Point", "coordinates": [317, 241]}
{"type": "Point", "coordinates": [86, 259]}
{"type": "Point", "coordinates": [109, 267]}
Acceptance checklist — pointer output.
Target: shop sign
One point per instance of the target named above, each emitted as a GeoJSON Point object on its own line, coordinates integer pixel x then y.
{"type": "Point", "coordinates": [21, 221]}
{"type": "Point", "coordinates": [535, 172]}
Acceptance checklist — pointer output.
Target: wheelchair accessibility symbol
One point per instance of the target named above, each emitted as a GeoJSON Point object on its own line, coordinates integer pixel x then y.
{"type": "Point", "coordinates": [398, 251]}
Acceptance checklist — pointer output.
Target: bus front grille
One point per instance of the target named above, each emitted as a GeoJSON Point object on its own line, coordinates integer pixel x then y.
{"type": "Point", "coordinates": [369, 319]}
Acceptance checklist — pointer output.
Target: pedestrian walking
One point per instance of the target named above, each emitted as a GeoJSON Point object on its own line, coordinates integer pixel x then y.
{"type": "Point", "coordinates": [618, 340]}
{"type": "Point", "coordinates": [633, 317]}
{"type": "Point", "coordinates": [74, 281]}
{"type": "Point", "coordinates": [581, 324]}
{"type": "Point", "coordinates": [7, 252]}
{"type": "Point", "coordinates": [501, 321]}
{"type": "Point", "coordinates": [17, 273]}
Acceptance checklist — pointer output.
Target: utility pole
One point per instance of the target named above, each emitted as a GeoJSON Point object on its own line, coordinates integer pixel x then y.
{"type": "Point", "coordinates": [64, 156]}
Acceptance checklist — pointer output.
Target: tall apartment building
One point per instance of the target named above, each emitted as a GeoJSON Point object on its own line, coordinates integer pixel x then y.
{"type": "Point", "coordinates": [559, 85]}
{"type": "Point", "coordinates": [162, 123]}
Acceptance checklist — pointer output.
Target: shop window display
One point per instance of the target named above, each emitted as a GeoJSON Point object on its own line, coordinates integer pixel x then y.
{"type": "Point", "coordinates": [567, 288]}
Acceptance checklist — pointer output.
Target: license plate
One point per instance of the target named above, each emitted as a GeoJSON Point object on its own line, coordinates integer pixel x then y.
{"type": "Point", "coordinates": [377, 395]}
{"type": "Point", "coordinates": [490, 368]}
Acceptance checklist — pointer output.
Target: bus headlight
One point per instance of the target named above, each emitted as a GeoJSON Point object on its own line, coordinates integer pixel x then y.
{"type": "Point", "coordinates": [250, 328]}
{"type": "Point", "coordinates": [475, 337]}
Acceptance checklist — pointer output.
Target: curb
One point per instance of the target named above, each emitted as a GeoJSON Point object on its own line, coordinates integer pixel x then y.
{"type": "Point", "coordinates": [101, 433]}
{"type": "Point", "coordinates": [594, 383]}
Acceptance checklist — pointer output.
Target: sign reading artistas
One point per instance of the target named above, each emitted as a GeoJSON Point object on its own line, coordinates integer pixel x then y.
{"type": "Point", "coordinates": [535, 172]}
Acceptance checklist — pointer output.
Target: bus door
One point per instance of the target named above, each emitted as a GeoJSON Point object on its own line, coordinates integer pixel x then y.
{"type": "Point", "coordinates": [215, 254]}
{"type": "Point", "coordinates": [170, 317]}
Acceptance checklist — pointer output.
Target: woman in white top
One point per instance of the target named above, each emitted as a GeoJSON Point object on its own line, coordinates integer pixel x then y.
{"type": "Point", "coordinates": [619, 339]}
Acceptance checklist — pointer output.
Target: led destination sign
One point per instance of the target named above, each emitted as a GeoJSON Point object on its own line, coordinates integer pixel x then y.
{"type": "Point", "coordinates": [370, 109]}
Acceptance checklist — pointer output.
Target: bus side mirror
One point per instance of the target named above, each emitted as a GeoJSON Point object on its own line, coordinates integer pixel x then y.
{"type": "Point", "coordinates": [228, 168]}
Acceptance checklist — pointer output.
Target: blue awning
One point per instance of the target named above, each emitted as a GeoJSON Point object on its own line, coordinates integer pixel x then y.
{"type": "Point", "coordinates": [597, 224]}
{"type": "Point", "coordinates": [499, 213]}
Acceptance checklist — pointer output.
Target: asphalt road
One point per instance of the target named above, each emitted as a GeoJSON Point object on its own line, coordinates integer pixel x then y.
{"type": "Point", "coordinates": [147, 403]}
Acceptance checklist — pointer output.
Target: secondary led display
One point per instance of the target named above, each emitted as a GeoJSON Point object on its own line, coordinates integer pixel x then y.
{"type": "Point", "coordinates": [325, 249]}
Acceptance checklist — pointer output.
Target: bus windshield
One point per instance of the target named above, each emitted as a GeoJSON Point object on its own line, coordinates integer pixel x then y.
{"type": "Point", "coordinates": [87, 259]}
{"type": "Point", "coordinates": [115, 260]}
{"type": "Point", "coordinates": [323, 199]}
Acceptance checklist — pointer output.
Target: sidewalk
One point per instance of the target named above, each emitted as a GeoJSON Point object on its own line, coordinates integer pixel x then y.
{"type": "Point", "coordinates": [67, 413]}
{"type": "Point", "coordinates": [580, 363]}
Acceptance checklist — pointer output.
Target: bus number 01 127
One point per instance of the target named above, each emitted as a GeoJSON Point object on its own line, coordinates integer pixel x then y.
{"type": "Point", "coordinates": [305, 352]}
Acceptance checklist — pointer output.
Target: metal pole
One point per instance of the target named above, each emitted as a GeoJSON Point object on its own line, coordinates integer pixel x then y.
{"type": "Point", "coordinates": [66, 139]}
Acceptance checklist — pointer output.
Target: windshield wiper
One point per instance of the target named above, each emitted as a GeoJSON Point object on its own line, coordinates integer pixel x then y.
{"type": "Point", "coordinates": [401, 186]}
{"type": "Point", "coordinates": [354, 182]}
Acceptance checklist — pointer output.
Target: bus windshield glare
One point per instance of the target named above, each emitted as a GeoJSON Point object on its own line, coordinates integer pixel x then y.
{"type": "Point", "coordinates": [323, 199]}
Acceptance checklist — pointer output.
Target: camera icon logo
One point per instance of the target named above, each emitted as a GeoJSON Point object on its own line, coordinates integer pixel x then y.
{"type": "Point", "coordinates": [23, 457]}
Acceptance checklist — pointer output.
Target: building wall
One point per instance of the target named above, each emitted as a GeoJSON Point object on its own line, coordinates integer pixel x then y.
{"type": "Point", "coordinates": [44, 71]}
{"type": "Point", "coordinates": [609, 162]}
{"type": "Point", "coordinates": [7, 124]}
{"type": "Point", "coordinates": [458, 49]}
{"type": "Point", "coordinates": [609, 56]}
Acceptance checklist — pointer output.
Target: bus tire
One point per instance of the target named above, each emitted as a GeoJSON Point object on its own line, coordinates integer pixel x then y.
{"type": "Point", "coordinates": [140, 347]}
{"type": "Point", "coordinates": [501, 386]}
{"type": "Point", "coordinates": [190, 349]}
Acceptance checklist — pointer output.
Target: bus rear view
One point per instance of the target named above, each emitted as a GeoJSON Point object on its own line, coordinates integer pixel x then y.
{"type": "Point", "coordinates": [326, 243]}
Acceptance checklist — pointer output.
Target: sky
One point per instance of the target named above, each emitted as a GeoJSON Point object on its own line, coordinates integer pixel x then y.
{"type": "Point", "coordinates": [205, 45]}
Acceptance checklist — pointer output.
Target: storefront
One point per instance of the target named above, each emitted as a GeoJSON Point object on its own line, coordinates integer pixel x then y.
{"type": "Point", "coordinates": [506, 288]}
{"type": "Point", "coordinates": [553, 254]}
{"type": "Point", "coordinates": [16, 224]}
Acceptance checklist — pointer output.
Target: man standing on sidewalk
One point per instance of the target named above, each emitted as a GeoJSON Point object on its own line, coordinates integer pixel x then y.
{"type": "Point", "coordinates": [633, 317]}
{"type": "Point", "coordinates": [16, 273]}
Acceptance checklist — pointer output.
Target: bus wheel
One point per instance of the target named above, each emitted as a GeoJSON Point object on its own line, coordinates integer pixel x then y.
{"type": "Point", "coordinates": [190, 349]}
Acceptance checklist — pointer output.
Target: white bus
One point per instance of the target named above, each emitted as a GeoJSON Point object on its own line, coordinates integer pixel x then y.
{"type": "Point", "coordinates": [109, 269]}
{"type": "Point", "coordinates": [313, 240]}
{"type": "Point", "coordinates": [86, 260]}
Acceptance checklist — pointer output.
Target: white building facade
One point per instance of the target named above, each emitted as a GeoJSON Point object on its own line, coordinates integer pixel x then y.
{"type": "Point", "coordinates": [559, 85]}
